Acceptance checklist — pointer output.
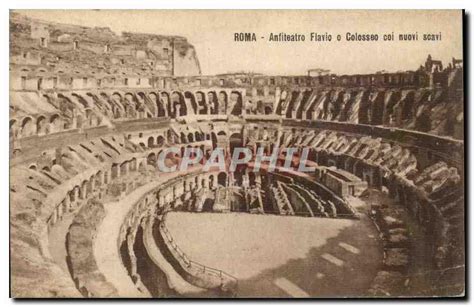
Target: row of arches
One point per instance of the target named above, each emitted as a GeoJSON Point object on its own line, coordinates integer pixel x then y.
{"type": "Point", "coordinates": [164, 104]}
{"type": "Point", "coordinates": [381, 107]}
{"type": "Point", "coordinates": [29, 125]}
{"type": "Point", "coordinates": [44, 124]}
{"type": "Point", "coordinates": [92, 186]}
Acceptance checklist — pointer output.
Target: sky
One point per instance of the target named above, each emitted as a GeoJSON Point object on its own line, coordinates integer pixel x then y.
{"type": "Point", "coordinates": [212, 34]}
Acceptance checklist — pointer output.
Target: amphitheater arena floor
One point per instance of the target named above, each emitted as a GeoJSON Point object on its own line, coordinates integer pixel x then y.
{"type": "Point", "coordinates": [281, 256]}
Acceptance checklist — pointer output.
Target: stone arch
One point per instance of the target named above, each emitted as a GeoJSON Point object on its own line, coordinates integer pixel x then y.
{"type": "Point", "coordinates": [79, 121]}
{"type": "Point", "coordinates": [55, 123]}
{"type": "Point", "coordinates": [223, 102]}
{"type": "Point", "coordinates": [364, 109]}
{"type": "Point", "coordinates": [145, 105]}
{"type": "Point", "coordinates": [84, 189]}
{"type": "Point", "coordinates": [291, 105]}
{"type": "Point", "coordinates": [160, 108]}
{"type": "Point", "coordinates": [197, 136]}
{"type": "Point", "coordinates": [213, 103]}
{"type": "Point", "coordinates": [117, 97]}
{"type": "Point", "coordinates": [41, 125]}
{"type": "Point", "coordinates": [160, 141]}
{"type": "Point", "coordinates": [151, 142]}
{"type": "Point", "coordinates": [358, 169]}
{"type": "Point", "coordinates": [268, 110]}
{"type": "Point", "coordinates": [211, 181]}
{"type": "Point", "coordinates": [141, 166]}
{"type": "Point", "coordinates": [179, 104]}
{"type": "Point", "coordinates": [236, 103]}
{"type": "Point", "coordinates": [170, 136]}
{"type": "Point", "coordinates": [201, 103]}
{"type": "Point", "coordinates": [92, 120]}
{"type": "Point", "coordinates": [151, 159]}
{"type": "Point", "coordinates": [81, 100]}
{"type": "Point", "coordinates": [408, 106]}
{"type": "Point", "coordinates": [114, 171]}
{"type": "Point", "coordinates": [222, 179]}
{"type": "Point", "coordinates": [133, 164]}
{"type": "Point", "coordinates": [391, 101]}
{"type": "Point", "coordinates": [124, 168]}
{"type": "Point", "coordinates": [377, 110]}
{"type": "Point", "coordinates": [165, 100]}
{"type": "Point", "coordinates": [13, 128]}
{"type": "Point", "coordinates": [192, 100]}
{"type": "Point", "coordinates": [183, 138]}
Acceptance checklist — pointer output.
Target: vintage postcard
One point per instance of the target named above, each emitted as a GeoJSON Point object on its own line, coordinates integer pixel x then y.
{"type": "Point", "coordinates": [237, 154]}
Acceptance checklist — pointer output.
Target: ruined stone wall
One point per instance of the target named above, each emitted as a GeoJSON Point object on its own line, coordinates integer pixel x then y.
{"type": "Point", "coordinates": [62, 47]}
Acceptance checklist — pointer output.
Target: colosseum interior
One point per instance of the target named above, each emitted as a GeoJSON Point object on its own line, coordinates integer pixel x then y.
{"type": "Point", "coordinates": [91, 215]}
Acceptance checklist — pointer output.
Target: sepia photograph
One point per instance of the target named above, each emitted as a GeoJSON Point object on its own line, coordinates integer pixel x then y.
{"type": "Point", "coordinates": [236, 154]}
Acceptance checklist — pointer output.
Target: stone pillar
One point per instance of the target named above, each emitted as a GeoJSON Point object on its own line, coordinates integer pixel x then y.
{"type": "Point", "coordinates": [67, 203]}
{"type": "Point", "coordinates": [107, 177]}
{"type": "Point", "coordinates": [54, 217]}
{"type": "Point", "coordinates": [92, 181]}
{"type": "Point", "coordinates": [82, 192]}
{"type": "Point", "coordinates": [102, 178]}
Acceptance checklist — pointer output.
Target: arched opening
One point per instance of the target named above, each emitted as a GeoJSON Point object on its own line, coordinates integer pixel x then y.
{"type": "Point", "coordinates": [190, 138]}
{"type": "Point", "coordinates": [151, 142]}
{"type": "Point", "coordinates": [222, 103]}
{"type": "Point", "coordinates": [222, 179]}
{"type": "Point", "coordinates": [364, 109]}
{"type": "Point", "coordinates": [166, 103]}
{"type": "Point", "coordinates": [114, 171]}
{"type": "Point", "coordinates": [189, 97]}
{"type": "Point", "coordinates": [408, 106]}
{"type": "Point", "coordinates": [41, 125]}
{"type": "Point", "coordinates": [183, 138]}
{"type": "Point", "coordinates": [388, 114]}
{"type": "Point", "coordinates": [201, 103]}
{"type": "Point", "coordinates": [378, 108]}
{"type": "Point", "coordinates": [211, 181]}
{"type": "Point", "coordinates": [213, 103]}
{"type": "Point", "coordinates": [179, 105]}
{"type": "Point", "coordinates": [160, 141]}
{"type": "Point", "coordinates": [268, 110]}
{"type": "Point", "coordinates": [161, 108]}
{"type": "Point", "coordinates": [236, 102]}
{"type": "Point", "coordinates": [79, 121]}
{"type": "Point", "coordinates": [197, 136]}
{"type": "Point", "coordinates": [27, 127]}
{"type": "Point", "coordinates": [151, 159]}
{"type": "Point", "coordinates": [55, 123]}
{"type": "Point", "coordinates": [13, 128]}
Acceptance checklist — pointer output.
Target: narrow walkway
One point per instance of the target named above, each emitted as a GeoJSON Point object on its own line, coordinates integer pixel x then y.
{"type": "Point", "coordinates": [175, 281]}
{"type": "Point", "coordinates": [106, 250]}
